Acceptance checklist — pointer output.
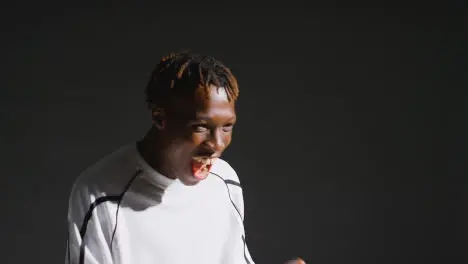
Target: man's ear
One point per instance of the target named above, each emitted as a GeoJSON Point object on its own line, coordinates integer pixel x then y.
{"type": "Point", "coordinates": [158, 117]}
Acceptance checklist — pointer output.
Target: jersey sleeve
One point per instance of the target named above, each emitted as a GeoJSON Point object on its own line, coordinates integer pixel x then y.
{"type": "Point", "coordinates": [88, 228]}
{"type": "Point", "coordinates": [236, 193]}
{"type": "Point", "coordinates": [239, 200]}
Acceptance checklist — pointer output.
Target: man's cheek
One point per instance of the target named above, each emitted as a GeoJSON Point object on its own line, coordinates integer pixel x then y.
{"type": "Point", "coordinates": [227, 141]}
{"type": "Point", "coordinates": [185, 149]}
{"type": "Point", "coordinates": [196, 139]}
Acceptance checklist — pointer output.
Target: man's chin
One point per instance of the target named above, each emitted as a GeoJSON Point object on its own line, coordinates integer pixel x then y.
{"type": "Point", "coordinates": [192, 177]}
{"type": "Point", "coordinates": [190, 180]}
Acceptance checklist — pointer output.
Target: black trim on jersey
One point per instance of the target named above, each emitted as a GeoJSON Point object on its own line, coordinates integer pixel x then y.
{"type": "Point", "coordinates": [245, 255]}
{"type": "Point", "coordinates": [120, 200]}
{"type": "Point", "coordinates": [226, 182]}
{"type": "Point", "coordinates": [68, 245]}
{"type": "Point", "coordinates": [233, 183]}
{"type": "Point", "coordinates": [229, 191]}
{"type": "Point", "coordinates": [88, 216]}
{"type": "Point", "coordinates": [98, 201]}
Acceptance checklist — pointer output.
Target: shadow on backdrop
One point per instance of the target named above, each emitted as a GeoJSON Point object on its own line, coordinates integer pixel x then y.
{"type": "Point", "coordinates": [350, 101]}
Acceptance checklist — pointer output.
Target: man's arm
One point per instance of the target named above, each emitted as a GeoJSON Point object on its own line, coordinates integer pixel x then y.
{"type": "Point", "coordinates": [88, 236]}
{"type": "Point", "coordinates": [237, 197]}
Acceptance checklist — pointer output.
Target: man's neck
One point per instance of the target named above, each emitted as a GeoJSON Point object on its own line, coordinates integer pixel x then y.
{"type": "Point", "coordinates": [151, 150]}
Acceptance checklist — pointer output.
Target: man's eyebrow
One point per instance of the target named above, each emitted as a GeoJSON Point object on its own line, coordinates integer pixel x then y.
{"type": "Point", "coordinates": [199, 118]}
{"type": "Point", "coordinates": [202, 117]}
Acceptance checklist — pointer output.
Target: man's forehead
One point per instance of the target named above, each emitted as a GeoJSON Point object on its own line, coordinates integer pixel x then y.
{"type": "Point", "coordinates": [203, 96]}
{"type": "Point", "coordinates": [198, 104]}
{"type": "Point", "coordinates": [212, 92]}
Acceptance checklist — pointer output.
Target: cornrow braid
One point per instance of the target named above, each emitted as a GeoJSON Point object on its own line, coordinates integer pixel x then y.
{"type": "Point", "coordinates": [182, 73]}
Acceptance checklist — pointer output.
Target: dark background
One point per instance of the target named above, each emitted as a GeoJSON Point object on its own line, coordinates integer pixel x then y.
{"type": "Point", "coordinates": [344, 119]}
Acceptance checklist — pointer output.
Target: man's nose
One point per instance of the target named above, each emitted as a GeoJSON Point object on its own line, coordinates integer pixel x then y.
{"type": "Point", "coordinates": [216, 141]}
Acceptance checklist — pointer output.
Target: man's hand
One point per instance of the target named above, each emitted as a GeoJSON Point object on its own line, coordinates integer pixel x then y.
{"type": "Point", "coordinates": [295, 261]}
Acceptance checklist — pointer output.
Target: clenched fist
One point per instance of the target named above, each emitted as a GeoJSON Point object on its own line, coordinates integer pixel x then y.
{"type": "Point", "coordinates": [295, 261]}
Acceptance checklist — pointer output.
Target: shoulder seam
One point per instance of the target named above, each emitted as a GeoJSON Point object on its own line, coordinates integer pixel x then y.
{"type": "Point", "coordinates": [232, 182]}
{"type": "Point", "coordinates": [228, 181]}
{"type": "Point", "coordinates": [229, 194]}
{"type": "Point", "coordinates": [98, 201]}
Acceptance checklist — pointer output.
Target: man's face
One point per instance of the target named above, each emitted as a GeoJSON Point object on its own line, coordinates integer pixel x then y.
{"type": "Point", "coordinates": [197, 132]}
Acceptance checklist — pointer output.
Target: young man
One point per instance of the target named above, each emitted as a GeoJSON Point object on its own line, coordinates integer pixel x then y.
{"type": "Point", "coordinates": [169, 198]}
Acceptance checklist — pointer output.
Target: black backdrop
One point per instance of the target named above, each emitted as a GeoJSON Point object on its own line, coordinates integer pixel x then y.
{"type": "Point", "coordinates": [342, 119]}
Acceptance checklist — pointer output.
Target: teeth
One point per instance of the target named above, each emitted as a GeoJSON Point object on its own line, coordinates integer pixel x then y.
{"type": "Point", "coordinates": [206, 161]}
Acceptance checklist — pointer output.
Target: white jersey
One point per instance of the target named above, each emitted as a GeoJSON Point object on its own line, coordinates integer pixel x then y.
{"type": "Point", "coordinates": [121, 211]}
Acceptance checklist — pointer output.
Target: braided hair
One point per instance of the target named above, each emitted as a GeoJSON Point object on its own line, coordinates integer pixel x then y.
{"type": "Point", "coordinates": [182, 73]}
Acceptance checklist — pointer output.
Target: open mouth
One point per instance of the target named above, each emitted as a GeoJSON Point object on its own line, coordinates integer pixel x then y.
{"type": "Point", "coordinates": [201, 166]}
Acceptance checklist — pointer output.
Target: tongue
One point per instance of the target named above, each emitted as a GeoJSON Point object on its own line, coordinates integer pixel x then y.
{"type": "Point", "coordinates": [200, 170]}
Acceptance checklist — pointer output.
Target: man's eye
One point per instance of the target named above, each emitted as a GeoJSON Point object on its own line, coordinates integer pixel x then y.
{"type": "Point", "coordinates": [228, 128]}
{"type": "Point", "coordinates": [199, 128]}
